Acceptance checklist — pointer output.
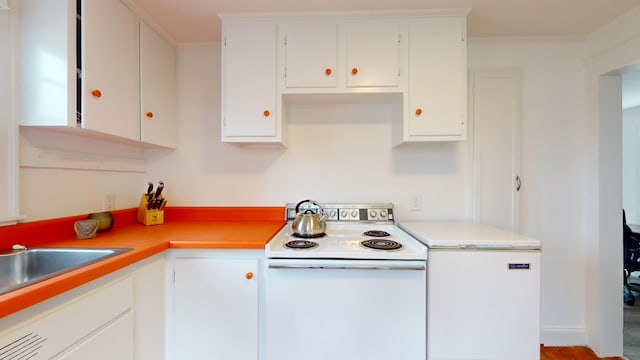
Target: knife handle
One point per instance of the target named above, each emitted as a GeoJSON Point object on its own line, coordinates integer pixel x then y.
{"type": "Point", "coordinates": [159, 189]}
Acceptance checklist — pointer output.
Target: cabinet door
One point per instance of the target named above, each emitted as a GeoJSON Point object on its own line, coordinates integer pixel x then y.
{"type": "Point", "coordinates": [506, 305]}
{"type": "Point", "coordinates": [373, 53]}
{"type": "Point", "coordinates": [437, 78]}
{"type": "Point", "coordinates": [110, 64]}
{"type": "Point", "coordinates": [115, 341]}
{"type": "Point", "coordinates": [215, 309]}
{"type": "Point", "coordinates": [311, 55]}
{"type": "Point", "coordinates": [249, 82]}
{"type": "Point", "coordinates": [60, 329]}
{"type": "Point", "coordinates": [158, 118]}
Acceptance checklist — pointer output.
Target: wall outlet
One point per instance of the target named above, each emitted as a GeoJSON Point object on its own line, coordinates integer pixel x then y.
{"type": "Point", "coordinates": [416, 202]}
{"type": "Point", "coordinates": [109, 201]}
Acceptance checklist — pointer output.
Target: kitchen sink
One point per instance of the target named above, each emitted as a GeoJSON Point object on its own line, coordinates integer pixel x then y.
{"type": "Point", "coordinates": [29, 266]}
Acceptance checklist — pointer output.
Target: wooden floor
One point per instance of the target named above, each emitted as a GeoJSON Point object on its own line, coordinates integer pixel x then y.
{"type": "Point", "coordinates": [570, 353]}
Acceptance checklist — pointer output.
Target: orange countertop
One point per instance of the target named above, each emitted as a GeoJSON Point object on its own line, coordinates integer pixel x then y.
{"type": "Point", "coordinates": [192, 228]}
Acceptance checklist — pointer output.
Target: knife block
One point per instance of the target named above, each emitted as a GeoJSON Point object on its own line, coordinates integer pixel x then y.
{"type": "Point", "coordinates": [148, 216]}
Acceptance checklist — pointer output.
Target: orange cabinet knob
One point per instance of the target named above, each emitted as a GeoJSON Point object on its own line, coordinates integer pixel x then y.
{"type": "Point", "coordinates": [249, 275]}
{"type": "Point", "coordinates": [418, 111]}
{"type": "Point", "coordinates": [354, 71]}
{"type": "Point", "coordinates": [266, 113]}
{"type": "Point", "coordinates": [97, 93]}
{"type": "Point", "coordinates": [327, 71]}
{"type": "Point", "coordinates": [149, 114]}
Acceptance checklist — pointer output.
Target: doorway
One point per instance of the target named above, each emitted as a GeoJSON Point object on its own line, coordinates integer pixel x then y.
{"type": "Point", "coordinates": [631, 202]}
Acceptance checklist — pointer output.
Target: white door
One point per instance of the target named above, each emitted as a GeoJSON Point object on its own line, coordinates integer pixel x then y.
{"type": "Point", "coordinates": [373, 53]}
{"type": "Point", "coordinates": [483, 305]}
{"type": "Point", "coordinates": [110, 66]}
{"type": "Point", "coordinates": [215, 309]}
{"type": "Point", "coordinates": [158, 119]}
{"type": "Point", "coordinates": [345, 310]}
{"type": "Point", "coordinates": [311, 56]}
{"type": "Point", "coordinates": [115, 341]}
{"type": "Point", "coordinates": [495, 111]}
{"type": "Point", "coordinates": [437, 77]}
{"type": "Point", "coordinates": [249, 81]}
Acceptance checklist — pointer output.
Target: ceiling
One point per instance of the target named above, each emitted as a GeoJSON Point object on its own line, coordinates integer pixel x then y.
{"type": "Point", "coordinates": [194, 21]}
{"type": "Point", "coordinates": [190, 21]}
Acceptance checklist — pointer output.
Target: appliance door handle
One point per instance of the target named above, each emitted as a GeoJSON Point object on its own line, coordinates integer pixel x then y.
{"type": "Point", "coordinates": [349, 267]}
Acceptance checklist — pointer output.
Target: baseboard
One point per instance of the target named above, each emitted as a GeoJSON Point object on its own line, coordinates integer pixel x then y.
{"type": "Point", "coordinates": [563, 336]}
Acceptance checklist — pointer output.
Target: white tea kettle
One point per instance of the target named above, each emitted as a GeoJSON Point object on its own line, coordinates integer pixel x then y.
{"type": "Point", "coordinates": [309, 223]}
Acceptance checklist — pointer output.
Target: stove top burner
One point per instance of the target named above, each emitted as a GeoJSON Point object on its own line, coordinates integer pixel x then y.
{"type": "Point", "coordinates": [381, 244]}
{"type": "Point", "coordinates": [376, 233]}
{"type": "Point", "coordinates": [301, 244]}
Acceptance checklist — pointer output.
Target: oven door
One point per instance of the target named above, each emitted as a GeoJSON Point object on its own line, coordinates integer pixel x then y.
{"type": "Point", "coordinates": [345, 309]}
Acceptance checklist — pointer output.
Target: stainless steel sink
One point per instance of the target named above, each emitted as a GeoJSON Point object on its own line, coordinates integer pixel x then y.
{"type": "Point", "coordinates": [25, 267]}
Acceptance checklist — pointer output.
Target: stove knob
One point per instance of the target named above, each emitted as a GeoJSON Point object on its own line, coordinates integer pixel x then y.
{"type": "Point", "coordinates": [383, 213]}
{"type": "Point", "coordinates": [354, 214]}
{"type": "Point", "coordinates": [344, 214]}
{"type": "Point", "coordinates": [373, 214]}
{"type": "Point", "coordinates": [332, 213]}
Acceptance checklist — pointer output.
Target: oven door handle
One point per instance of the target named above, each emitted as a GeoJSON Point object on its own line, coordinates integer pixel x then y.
{"type": "Point", "coordinates": [349, 267]}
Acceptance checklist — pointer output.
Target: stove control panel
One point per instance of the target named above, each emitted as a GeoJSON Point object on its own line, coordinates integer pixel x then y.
{"type": "Point", "coordinates": [347, 212]}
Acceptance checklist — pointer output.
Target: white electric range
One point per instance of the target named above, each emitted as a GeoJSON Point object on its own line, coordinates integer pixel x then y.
{"type": "Point", "coordinates": [348, 294]}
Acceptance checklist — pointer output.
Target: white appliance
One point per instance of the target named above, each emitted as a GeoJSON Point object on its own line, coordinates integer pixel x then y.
{"type": "Point", "coordinates": [483, 292]}
{"type": "Point", "coordinates": [340, 299]}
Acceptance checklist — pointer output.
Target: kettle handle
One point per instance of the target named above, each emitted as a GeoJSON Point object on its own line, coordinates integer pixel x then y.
{"type": "Point", "coordinates": [309, 201]}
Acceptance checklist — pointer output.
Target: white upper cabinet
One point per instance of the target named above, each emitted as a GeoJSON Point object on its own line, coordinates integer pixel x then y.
{"type": "Point", "coordinates": [311, 55]}
{"type": "Point", "coordinates": [158, 85]}
{"type": "Point", "coordinates": [373, 53]}
{"type": "Point", "coordinates": [109, 63]}
{"type": "Point", "coordinates": [437, 80]}
{"type": "Point", "coordinates": [9, 180]}
{"type": "Point", "coordinates": [352, 54]}
{"type": "Point", "coordinates": [80, 68]}
{"type": "Point", "coordinates": [249, 108]}
{"type": "Point", "coordinates": [415, 61]}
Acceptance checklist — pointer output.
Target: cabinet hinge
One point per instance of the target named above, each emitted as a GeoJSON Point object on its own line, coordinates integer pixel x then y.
{"type": "Point", "coordinates": [462, 36]}
{"type": "Point", "coordinates": [399, 38]}
{"type": "Point", "coordinates": [285, 40]}
{"type": "Point", "coordinates": [224, 42]}
{"type": "Point", "coordinates": [224, 121]}
{"type": "Point", "coordinates": [174, 277]}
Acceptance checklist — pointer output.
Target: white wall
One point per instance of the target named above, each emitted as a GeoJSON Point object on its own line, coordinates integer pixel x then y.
{"type": "Point", "coordinates": [63, 175]}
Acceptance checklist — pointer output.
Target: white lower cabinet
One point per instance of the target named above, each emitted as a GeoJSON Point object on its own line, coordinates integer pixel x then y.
{"type": "Point", "coordinates": [118, 316]}
{"type": "Point", "coordinates": [215, 298]}
{"type": "Point", "coordinates": [115, 341]}
{"type": "Point", "coordinates": [75, 327]}
{"type": "Point", "coordinates": [504, 321]}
